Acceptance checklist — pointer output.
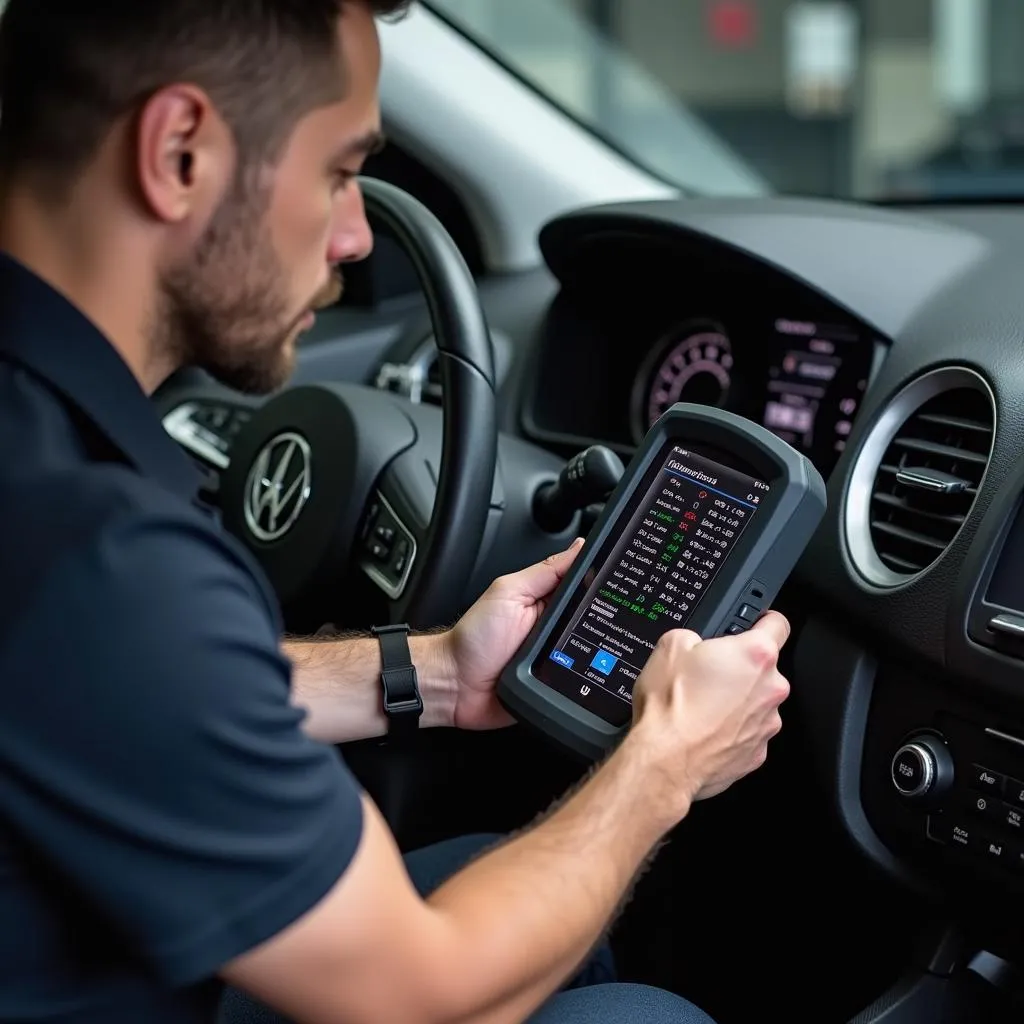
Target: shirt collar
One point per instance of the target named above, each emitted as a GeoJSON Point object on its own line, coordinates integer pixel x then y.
{"type": "Point", "coordinates": [46, 333]}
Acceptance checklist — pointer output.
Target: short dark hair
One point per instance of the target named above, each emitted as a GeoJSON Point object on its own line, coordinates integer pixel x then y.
{"type": "Point", "coordinates": [70, 68]}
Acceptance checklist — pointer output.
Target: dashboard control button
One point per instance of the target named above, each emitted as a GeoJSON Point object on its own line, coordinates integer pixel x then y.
{"type": "Point", "coordinates": [1012, 817]}
{"type": "Point", "coordinates": [735, 628]}
{"type": "Point", "coordinates": [984, 780]}
{"type": "Point", "coordinates": [913, 771]}
{"type": "Point", "coordinates": [986, 807]}
{"type": "Point", "coordinates": [1014, 792]}
{"type": "Point", "coordinates": [922, 767]}
{"type": "Point", "coordinates": [748, 613]}
{"type": "Point", "coordinates": [994, 849]}
{"type": "Point", "coordinates": [964, 834]}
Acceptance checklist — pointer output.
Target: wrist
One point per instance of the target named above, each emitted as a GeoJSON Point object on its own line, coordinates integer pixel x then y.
{"type": "Point", "coordinates": [660, 764]}
{"type": "Point", "coordinates": [435, 672]}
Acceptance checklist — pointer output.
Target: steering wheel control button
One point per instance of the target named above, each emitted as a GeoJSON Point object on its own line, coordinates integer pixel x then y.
{"type": "Point", "coordinates": [401, 557]}
{"type": "Point", "coordinates": [378, 550]}
{"type": "Point", "coordinates": [391, 548]}
{"type": "Point", "coordinates": [984, 780]}
{"type": "Point", "coordinates": [370, 522]}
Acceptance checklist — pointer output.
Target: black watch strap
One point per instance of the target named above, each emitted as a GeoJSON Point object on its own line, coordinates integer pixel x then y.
{"type": "Point", "coordinates": [403, 703]}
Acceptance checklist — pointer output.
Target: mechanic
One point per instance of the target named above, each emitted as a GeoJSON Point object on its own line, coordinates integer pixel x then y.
{"type": "Point", "coordinates": [179, 186]}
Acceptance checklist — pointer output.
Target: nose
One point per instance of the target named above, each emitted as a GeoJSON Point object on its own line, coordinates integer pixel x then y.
{"type": "Point", "coordinates": [351, 237]}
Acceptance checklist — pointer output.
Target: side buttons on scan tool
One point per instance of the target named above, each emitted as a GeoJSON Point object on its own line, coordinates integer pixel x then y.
{"type": "Point", "coordinates": [749, 610]}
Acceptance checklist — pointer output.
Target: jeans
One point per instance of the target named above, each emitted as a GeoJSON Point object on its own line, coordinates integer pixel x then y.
{"type": "Point", "coordinates": [592, 997]}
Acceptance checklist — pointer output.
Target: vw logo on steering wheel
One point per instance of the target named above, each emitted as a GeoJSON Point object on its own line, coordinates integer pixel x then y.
{"type": "Point", "coordinates": [278, 486]}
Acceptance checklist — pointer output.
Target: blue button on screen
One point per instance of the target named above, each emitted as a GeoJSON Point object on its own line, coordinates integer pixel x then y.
{"type": "Point", "coordinates": [562, 659]}
{"type": "Point", "coordinates": [603, 662]}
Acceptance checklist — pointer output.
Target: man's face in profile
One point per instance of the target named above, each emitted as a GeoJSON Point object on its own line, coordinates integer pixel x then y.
{"type": "Point", "coordinates": [238, 302]}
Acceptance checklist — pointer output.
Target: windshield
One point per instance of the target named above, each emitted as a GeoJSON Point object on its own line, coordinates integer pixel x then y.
{"type": "Point", "coordinates": [874, 99]}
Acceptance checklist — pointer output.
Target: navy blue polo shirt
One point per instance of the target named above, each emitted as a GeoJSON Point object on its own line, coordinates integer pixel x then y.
{"type": "Point", "coordinates": [161, 809]}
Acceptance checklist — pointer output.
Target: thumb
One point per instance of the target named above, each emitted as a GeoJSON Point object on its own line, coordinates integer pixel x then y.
{"type": "Point", "coordinates": [538, 580]}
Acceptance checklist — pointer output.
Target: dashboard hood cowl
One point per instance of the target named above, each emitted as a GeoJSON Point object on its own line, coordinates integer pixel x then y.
{"type": "Point", "coordinates": [849, 253]}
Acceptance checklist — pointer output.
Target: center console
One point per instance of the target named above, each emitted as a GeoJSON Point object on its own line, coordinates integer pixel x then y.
{"type": "Point", "coordinates": [927, 754]}
{"type": "Point", "coordinates": [942, 783]}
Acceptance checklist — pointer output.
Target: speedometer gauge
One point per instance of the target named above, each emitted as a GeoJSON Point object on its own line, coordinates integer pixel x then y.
{"type": "Point", "coordinates": [692, 364]}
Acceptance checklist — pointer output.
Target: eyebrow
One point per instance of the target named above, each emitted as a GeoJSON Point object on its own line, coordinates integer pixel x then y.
{"type": "Point", "coordinates": [366, 145]}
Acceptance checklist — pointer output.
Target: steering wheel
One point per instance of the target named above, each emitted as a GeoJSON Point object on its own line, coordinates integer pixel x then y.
{"type": "Point", "coordinates": [330, 474]}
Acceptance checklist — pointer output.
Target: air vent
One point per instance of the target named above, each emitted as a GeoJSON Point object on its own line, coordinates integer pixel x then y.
{"type": "Point", "coordinates": [918, 474]}
{"type": "Point", "coordinates": [419, 379]}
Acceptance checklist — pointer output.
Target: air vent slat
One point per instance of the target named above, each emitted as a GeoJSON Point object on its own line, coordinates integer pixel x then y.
{"type": "Point", "coordinates": [894, 502]}
{"type": "Point", "coordinates": [903, 565]}
{"type": "Point", "coordinates": [943, 450]}
{"type": "Point", "coordinates": [908, 535]}
{"type": "Point", "coordinates": [956, 422]}
{"type": "Point", "coordinates": [945, 436]}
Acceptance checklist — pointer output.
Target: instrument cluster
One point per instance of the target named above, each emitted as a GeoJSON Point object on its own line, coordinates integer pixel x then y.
{"type": "Point", "coordinates": [801, 379]}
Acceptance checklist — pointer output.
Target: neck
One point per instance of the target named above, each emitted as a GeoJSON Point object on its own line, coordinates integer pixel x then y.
{"type": "Point", "coordinates": [104, 273]}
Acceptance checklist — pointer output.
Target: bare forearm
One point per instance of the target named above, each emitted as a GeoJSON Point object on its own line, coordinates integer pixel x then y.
{"type": "Point", "coordinates": [527, 914]}
{"type": "Point", "coordinates": [338, 683]}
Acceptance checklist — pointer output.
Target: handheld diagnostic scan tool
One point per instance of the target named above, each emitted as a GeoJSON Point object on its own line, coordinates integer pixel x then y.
{"type": "Point", "coordinates": [701, 532]}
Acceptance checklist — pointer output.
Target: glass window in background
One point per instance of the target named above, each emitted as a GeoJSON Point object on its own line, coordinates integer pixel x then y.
{"type": "Point", "coordinates": [881, 99]}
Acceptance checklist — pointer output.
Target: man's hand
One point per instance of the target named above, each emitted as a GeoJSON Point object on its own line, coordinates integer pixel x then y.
{"type": "Point", "coordinates": [705, 710]}
{"type": "Point", "coordinates": [490, 633]}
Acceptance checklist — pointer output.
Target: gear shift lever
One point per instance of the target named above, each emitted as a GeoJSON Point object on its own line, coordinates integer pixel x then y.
{"type": "Point", "coordinates": [587, 478]}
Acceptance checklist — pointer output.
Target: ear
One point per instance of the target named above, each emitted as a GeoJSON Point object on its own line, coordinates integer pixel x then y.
{"type": "Point", "coordinates": [185, 154]}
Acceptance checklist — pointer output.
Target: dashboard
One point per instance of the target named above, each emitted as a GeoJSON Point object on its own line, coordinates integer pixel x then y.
{"type": "Point", "coordinates": [889, 347]}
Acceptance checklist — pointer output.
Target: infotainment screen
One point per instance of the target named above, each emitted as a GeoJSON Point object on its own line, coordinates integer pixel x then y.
{"type": "Point", "coordinates": [687, 516]}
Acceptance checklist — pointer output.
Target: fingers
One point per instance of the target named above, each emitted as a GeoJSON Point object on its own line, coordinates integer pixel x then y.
{"type": "Point", "coordinates": [775, 626]}
{"type": "Point", "coordinates": [538, 580]}
{"type": "Point", "coordinates": [678, 641]}
{"type": "Point", "coordinates": [561, 560]}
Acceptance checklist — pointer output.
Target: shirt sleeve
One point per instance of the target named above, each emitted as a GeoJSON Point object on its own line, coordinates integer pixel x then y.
{"type": "Point", "coordinates": [149, 752]}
